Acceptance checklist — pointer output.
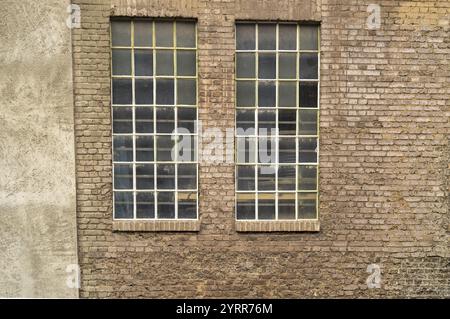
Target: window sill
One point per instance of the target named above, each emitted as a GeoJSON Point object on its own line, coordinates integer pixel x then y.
{"type": "Point", "coordinates": [278, 226]}
{"type": "Point", "coordinates": [156, 225]}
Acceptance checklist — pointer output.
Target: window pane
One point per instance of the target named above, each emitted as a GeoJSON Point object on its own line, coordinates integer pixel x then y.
{"type": "Point", "coordinates": [308, 66]}
{"type": "Point", "coordinates": [187, 176]}
{"type": "Point", "coordinates": [187, 205]}
{"type": "Point", "coordinates": [145, 205]}
{"type": "Point", "coordinates": [166, 205]}
{"type": "Point", "coordinates": [121, 62]}
{"type": "Point", "coordinates": [308, 94]}
{"type": "Point", "coordinates": [267, 122]}
{"type": "Point", "coordinates": [186, 63]}
{"type": "Point", "coordinates": [286, 177]}
{"type": "Point", "coordinates": [144, 91]}
{"type": "Point", "coordinates": [123, 148]}
{"type": "Point", "coordinates": [266, 206]}
{"type": "Point", "coordinates": [287, 150]}
{"type": "Point", "coordinates": [165, 120]}
{"type": "Point", "coordinates": [245, 122]}
{"type": "Point", "coordinates": [121, 33]}
{"type": "Point", "coordinates": [186, 148]}
{"type": "Point", "coordinates": [245, 93]}
{"type": "Point", "coordinates": [287, 121]}
{"type": "Point", "coordinates": [165, 176]}
{"type": "Point", "coordinates": [123, 205]}
{"type": "Point", "coordinates": [123, 176]}
{"type": "Point", "coordinates": [266, 150]}
{"type": "Point", "coordinates": [144, 148]}
{"type": "Point", "coordinates": [307, 150]}
{"type": "Point", "coordinates": [143, 62]}
{"type": "Point", "coordinates": [145, 176]}
{"type": "Point", "coordinates": [307, 178]}
{"type": "Point", "coordinates": [164, 33]}
{"type": "Point", "coordinates": [266, 178]}
{"type": "Point", "coordinates": [144, 119]}
{"type": "Point", "coordinates": [245, 36]}
{"type": "Point", "coordinates": [287, 65]}
{"type": "Point", "coordinates": [185, 34]}
{"type": "Point", "coordinates": [164, 91]}
{"type": "Point", "coordinates": [143, 33]}
{"type": "Point", "coordinates": [266, 93]}
{"type": "Point", "coordinates": [307, 206]}
{"type": "Point", "coordinates": [309, 38]}
{"type": "Point", "coordinates": [307, 122]}
{"type": "Point", "coordinates": [287, 37]}
{"type": "Point", "coordinates": [287, 94]}
{"type": "Point", "coordinates": [122, 119]}
{"type": "Point", "coordinates": [245, 176]}
{"type": "Point", "coordinates": [164, 147]}
{"type": "Point", "coordinates": [245, 208]}
{"type": "Point", "coordinates": [245, 150]}
{"type": "Point", "coordinates": [186, 91]}
{"type": "Point", "coordinates": [267, 63]}
{"type": "Point", "coordinates": [245, 65]}
{"type": "Point", "coordinates": [164, 62]}
{"type": "Point", "coordinates": [266, 37]}
{"type": "Point", "coordinates": [122, 91]}
{"type": "Point", "coordinates": [286, 206]}
{"type": "Point", "coordinates": [187, 118]}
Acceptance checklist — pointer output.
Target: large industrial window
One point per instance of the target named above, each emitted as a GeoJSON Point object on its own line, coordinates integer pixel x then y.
{"type": "Point", "coordinates": [154, 106]}
{"type": "Point", "coordinates": [277, 111]}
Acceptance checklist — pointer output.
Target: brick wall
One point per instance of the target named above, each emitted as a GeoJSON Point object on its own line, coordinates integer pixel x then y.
{"type": "Point", "coordinates": [384, 162]}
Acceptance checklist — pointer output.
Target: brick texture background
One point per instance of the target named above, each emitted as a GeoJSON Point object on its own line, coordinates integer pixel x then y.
{"type": "Point", "coordinates": [384, 162]}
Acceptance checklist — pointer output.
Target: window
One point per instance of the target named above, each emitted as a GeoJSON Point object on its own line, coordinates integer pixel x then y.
{"type": "Point", "coordinates": [277, 112]}
{"type": "Point", "coordinates": [154, 111]}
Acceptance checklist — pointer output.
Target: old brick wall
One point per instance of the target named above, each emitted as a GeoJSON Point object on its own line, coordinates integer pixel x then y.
{"type": "Point", "coordinates": [383, 163]}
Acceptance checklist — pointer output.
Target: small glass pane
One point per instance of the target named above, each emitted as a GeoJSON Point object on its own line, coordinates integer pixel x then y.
{"type": "Point", "coordinates": [187, 176]}
{"type": "Point", "coordinates": [267, 150]}
{"type": "Point", "coordinates": [307, 178]}
{"type": "Point", "coordinates": [165, 176]}
{"type": "Point", "coordinates": [121, 33]}
{"type": "Point", "coordinates": [123, 176]}
{"type": "Point", "coordinates": [287, 39]}
{"type": "Point", "coordinates": [164, 33]}
{"type": "Point", "coordinates": [123, 148]}
{"type": "Point", "coordinates": [144, 119]}
{"type": "Point", "coordinates": [266, 93]}
{"type": "Point", "coordinates": [123, 205]}
{"type": "Point", "coordinates": [309, 66]}
{"type": "Point", "coordinates": [145, 176]}
{"type": "Point", "coordinates": [186, 91]}
{"type": "Point", "coordinates": [267, 37]}
{"type": "Point", "coordinates": [308, 94]}
{"type": "Point", "coordinates": [287, 65]}
{"type": "Point", "coordinates": [245, 150]}
{"type": "Point", "coordinates": [245, 36]}
{"type": "Point", "coordinates": [187, 117]}
{"type": "Point", "coordinates": [144, 148]}
{"type": "Point", "coordinates": [165, 120]}
{"type": "Point", "coordinates": [121, 62]}
{"type": "Point", "coordinates": [122, 119]}
{"type": "Point", "coordinates": [245, 206]}
{"type": "Point", "coordinates": [287, 150]}
{"type": "Point", "coordinates": [164, 147]}
{"type": "Point", "coordinates": [245, 122]}
{"type": "Point", "coordinates": [164, 62]}
{"type": "Point", "coordinates": [186, 63]}
{"type": "Point", "coordinates": [267, 65]}
{"type": "Point", "coordinates": [287, 94]}
{"type": "Point", "coordinates": [286, 206]}
{"type": "Point", "coordinates": [143, 62]}
{"type": "Point", "coordinates": [122, 91]}
{"type": "Point", "coordinates": [287, 122]}
{"type": "Point", "coordinates": [307, 150]}
{"type": "Point", "coordinates": [307, 122]}
{"type": "Point", "coordinates": [307, 206]}
{"type": "Point", "coordinates": [145, 205]}
{"type": "Point", "coordinates": [267, 122]}
{"type": "Point", "coordinates": [164, 91]}
{"type": "Point", "coordinates": [245, 93]}
{"type": "Point", "coordinates": [266, 178]}
{"type": "Point", "coordinates": [286, 177]}
{"type": "Point", "coordinates": [143, 33]}
{"type": "Point", "coordinates": [266, 206]}
{"type": "Point", "coordinates": [187, 205]}
{"type": "Point", "coordinates": [245, 65]}
{"type": "Point", "coordinates": [166, 205]}
{"type": "Point", "coordinates": [185, 34]}
{"type": "Point", "coordinates": [309, 38]}
{"type": "Point", "coordinates": [245, 177]}
{"type": "Point", "coordinates": [144, 91]}
{"type": "Point", "coordinates": [186, 148]}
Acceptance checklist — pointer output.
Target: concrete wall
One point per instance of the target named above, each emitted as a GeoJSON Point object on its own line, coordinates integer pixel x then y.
{"type": "Point", "coordinates": [37, 179]}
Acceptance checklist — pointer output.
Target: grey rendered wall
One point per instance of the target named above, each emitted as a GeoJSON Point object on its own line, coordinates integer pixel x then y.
{"type": "Point", "coordinates": [37, 175]}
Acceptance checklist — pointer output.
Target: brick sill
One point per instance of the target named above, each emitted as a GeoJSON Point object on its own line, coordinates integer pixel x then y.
{"type": "Point", "coordinates": [156, 225]}
{"type": "Point", "coordinates": [278, 226]}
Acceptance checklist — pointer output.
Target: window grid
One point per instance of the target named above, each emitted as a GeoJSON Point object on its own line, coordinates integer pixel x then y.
{"type": "Point", "coordinates": [256, 79]}
{"type": "Point", "coordinates": [175, 107]}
